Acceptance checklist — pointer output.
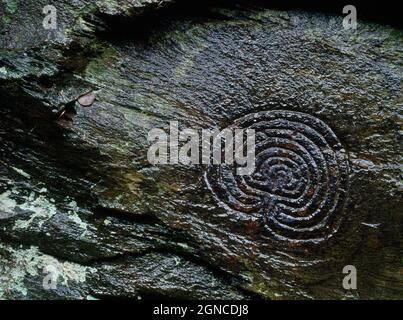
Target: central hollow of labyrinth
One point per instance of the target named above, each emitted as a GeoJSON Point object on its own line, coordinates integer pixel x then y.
{"type": "Point", "coordinates": [299, 186]}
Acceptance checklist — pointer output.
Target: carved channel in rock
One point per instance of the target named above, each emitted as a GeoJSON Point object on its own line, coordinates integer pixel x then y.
{"type": "Point", "coordinates": [299, 186]}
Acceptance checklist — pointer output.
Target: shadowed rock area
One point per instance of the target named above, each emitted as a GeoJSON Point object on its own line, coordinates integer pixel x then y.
{"type": "Point", "coordinates": [77, 193]}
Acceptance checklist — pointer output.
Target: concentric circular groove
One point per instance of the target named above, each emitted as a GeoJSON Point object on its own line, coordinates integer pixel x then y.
{"type": "Point", "coordinates": [299, 185]}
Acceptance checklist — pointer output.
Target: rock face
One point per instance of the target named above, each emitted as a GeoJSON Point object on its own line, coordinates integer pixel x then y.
{"type": "Point", "coordinates": [80, 202]}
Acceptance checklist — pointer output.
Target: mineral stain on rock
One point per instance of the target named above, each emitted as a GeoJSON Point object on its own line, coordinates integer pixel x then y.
{"type": "Point", "coordinates": [326, 104]}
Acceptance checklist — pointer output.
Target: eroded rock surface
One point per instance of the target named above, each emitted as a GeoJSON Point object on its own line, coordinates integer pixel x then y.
{"type": "Point", "coordinates": [77, 191]}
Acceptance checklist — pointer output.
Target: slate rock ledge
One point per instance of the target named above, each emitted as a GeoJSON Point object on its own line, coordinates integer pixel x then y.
{"type": "Point", "coordinates": [79, 200]}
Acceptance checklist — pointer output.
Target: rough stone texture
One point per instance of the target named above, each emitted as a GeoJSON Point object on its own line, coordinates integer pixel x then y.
{"type": "Point", "coordinates": [77, 191]}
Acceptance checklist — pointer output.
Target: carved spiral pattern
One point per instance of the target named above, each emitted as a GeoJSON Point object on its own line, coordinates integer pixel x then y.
{"type": "Point", "coordinates": [299, 186]}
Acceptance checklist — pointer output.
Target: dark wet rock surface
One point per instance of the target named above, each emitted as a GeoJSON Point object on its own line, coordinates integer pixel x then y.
{"type": "Point", "coordinates": [77, 191]}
